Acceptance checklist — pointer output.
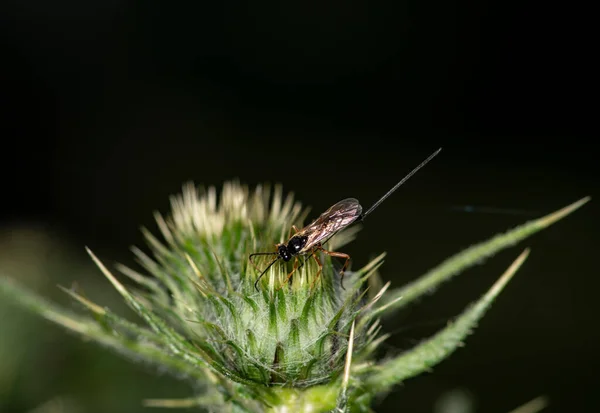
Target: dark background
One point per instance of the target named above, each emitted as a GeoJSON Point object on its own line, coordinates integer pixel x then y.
{"type": "Point", "coordinates": [109, 106]}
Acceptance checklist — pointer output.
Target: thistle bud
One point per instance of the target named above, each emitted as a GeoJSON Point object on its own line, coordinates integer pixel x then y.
{"type": "Point", "coordinates": [273, 334]}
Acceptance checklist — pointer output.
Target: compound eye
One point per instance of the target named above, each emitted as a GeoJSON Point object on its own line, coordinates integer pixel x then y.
{"type": "Point", "coordinates": [284, 253]}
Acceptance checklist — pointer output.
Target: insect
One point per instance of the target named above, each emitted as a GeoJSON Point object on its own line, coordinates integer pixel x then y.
{"type": "Point", "coordinates": [309, 240]}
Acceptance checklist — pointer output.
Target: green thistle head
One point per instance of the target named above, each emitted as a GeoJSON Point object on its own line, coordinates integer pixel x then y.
{"type": "Point", "coordinates": [288, 332]}
{"type": "Point", "coordinates": [295, 343]}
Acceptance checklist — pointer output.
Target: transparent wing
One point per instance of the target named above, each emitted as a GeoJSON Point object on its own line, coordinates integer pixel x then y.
{"type": "Point", "coordinates": [336, 218]}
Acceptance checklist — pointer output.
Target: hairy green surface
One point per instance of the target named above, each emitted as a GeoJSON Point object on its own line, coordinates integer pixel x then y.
{"type": "Point", "coordinates": [305, 345]}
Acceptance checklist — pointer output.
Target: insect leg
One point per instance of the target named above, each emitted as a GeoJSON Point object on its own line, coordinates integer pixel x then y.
{"type": "Point", "coordinates": [339, 255]}
{"type": "Point", "coordinates": [318, 272]}
{"type": "Point", "coordinates": [290, 274]}
{"type": "Point", "coordinates": [307, 258]}
{"type": "Point", "coordinates": [295, 229]}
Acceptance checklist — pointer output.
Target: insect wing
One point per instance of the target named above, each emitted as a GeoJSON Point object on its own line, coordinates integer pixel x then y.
{"type": "Point", "coordinates": [336, 218]}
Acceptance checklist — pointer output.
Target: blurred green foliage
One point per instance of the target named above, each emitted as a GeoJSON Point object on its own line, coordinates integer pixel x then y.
{"type": "Point", "coordinates": [44, 370]}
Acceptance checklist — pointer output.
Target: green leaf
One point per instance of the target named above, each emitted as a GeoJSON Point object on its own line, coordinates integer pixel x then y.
{"type": "Point", "coordinates": [403, 296]}
{"type": "Point", "coordinates": [435, 349]}
{"type": "Point", "coordinates": [90, 329]}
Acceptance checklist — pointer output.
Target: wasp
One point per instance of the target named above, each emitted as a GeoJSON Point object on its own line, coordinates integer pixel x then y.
{"type": "Point", "coordinates": [308, 241]}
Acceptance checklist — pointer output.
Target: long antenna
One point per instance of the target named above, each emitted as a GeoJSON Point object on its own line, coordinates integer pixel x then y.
{"type": "Point", "coordinates": [403, 180]}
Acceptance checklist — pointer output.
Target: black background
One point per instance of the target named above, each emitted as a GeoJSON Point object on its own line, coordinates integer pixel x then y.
{"type": "Point", "coordinates": [109, 106]}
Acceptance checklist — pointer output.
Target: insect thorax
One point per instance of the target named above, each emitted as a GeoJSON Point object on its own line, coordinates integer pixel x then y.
{"type": "Point", "coordinates": [296, 243]}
